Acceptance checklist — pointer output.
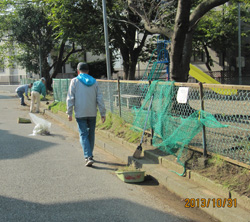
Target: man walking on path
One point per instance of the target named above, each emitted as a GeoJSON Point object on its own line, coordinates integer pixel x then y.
{"type": "Point", "coordinates": [21, 90]}
{"type": "Point", "coordinates": [37, 89]}
{"type": "Point", "coordinates": [84, 95]}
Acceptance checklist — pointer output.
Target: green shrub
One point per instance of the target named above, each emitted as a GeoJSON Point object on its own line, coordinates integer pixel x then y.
{"type": "Point", "coordinates": [118, 127]}
{"type": "Point", "coordinates": [58, 106]}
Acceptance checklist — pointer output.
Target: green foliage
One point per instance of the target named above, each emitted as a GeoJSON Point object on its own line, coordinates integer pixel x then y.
{"type": "Point", "coordinates": [58, 106]}
{"type": "Point", "coordinates": [124, 27]}
{"type": "Point", "coordinates": [248, 188]}
{"type": "Point", "coordinates": [219, 29]}
{"type": "Point", "coordinates": [230, 183]}
{"type": "Point", "coordinates": [63, 28]}
{"type": "Point", "coordinates": [108, 123]}
{"type": "Point", "coordinates": [132, 136]}
{"type": "Point", "coordinates": [52, 105]}
{"type": "Point", "coordinates": [245, 171]}
{"type": "Point", "coordinates": [128, 168]}
{"type": "Point", "coordinates": [60, 28]}
{"type": "Point", "coordinates": [121, 129]}
{"type": "Point", "coordinates": [78, 21]}
{"type": "Point", "coordinates": [216, 160]}
{"type": "Point", "coordinates": [99, 68]}
{"type": "Point", "coordinates": [118, 127]}
{"type": "Point", "coordinates": [30, 37]}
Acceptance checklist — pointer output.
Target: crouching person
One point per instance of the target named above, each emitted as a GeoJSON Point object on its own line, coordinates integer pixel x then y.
{"type": "Point", "coordinates": [23, 90]}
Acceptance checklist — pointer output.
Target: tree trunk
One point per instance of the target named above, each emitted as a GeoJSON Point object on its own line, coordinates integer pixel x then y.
{"type": "Point", "coordinates": [46, 75]}
{"type": "Point", "coordinates": [131, 74]}
{"type": "Point", "coordinates": [207, 57]}
{"type": "Point", "coordinates": [130, 58]}
{"type": "Point", "coordinates": [129, 68]}
{"type": "Point", "coordinates": [125, 71]}
{"type": "Point", "coordinates": [185, 23]}
{"type": "Point", "coordinates": [125, 56]}
{"type": "Point", "coordinates": [129, 64]}
{"type": "Point", "coordinates": [58, 65]}
{"type": "Point", "coordinates": [177, 55]}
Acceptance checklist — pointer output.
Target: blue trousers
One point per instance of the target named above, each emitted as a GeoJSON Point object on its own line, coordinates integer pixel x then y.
{"type": "Point", "coordinates": [86, 127]}
{"type": "Point", "coordinates": [20, 95]}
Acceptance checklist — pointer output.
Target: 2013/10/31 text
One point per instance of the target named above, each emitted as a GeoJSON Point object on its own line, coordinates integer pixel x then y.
{"type": "Point", "coordinates": [213, 202]}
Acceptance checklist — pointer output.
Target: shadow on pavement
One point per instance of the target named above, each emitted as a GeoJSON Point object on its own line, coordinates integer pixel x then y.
{"type": "Point", "coordinates": [14, 146]}
{"type": "Point", "coordinates": [109, 163]}
{"type": "Point", "coordinates": [113, 166]}
{"type": "Point", "coordinates": [114, 209]}
{"type": "Point", "coordinates": [103, 168]}
{"type": "Point", "coordinates": [149, 181]}
{"type": "Point", "coordinates": [7, 97]}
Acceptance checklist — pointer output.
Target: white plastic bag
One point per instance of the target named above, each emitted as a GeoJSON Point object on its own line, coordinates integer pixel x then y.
{"type": "Point", "coordinates": [42, 126]}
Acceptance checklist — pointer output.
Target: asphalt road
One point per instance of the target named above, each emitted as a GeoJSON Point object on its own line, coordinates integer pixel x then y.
{"type": "Point", "coordinates": [43, 178]}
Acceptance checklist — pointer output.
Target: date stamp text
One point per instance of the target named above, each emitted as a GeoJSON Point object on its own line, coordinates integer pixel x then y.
{"type": "Point", "coordinates": [210, 202]}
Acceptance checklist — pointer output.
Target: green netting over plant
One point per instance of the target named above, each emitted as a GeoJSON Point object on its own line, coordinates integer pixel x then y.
{"type": "Point", "coordinates": [60, 87]}
{"type": "Point", "coordinates": [171, 133]}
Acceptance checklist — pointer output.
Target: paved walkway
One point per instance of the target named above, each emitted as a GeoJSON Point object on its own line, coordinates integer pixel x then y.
{"type": "Point", "coordinates": [67, 165]}
{"type": "Point", "coordinates": [195, 187]}
{"type": "Point", "coordinates": [43, 178]}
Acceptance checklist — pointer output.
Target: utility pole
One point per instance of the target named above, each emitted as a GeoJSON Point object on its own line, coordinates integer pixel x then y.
{"type": "Point", "coordinates": [107, 52]}
{"type": "Point", "coordinates": [106, 39]}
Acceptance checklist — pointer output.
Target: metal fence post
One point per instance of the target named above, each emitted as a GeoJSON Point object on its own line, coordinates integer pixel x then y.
{"type": "Point", "coordinates": [152, 131]}
{"type": "Point", "coordinates": [203, 127]}
{"type": "Point", "coordinates": [61, 93]}
{"type": "Point", "coordinates": [119, 97]}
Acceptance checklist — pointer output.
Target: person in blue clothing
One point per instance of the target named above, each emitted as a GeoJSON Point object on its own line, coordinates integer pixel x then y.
{"type": "Point", "coordinates": [84, 96]}
{"type": "Point", "coordinates": [37, 89]}
{"type": "Point", "coordinates": [21, 90]}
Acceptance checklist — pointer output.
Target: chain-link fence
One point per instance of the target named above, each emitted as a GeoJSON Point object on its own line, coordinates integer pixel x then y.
{"type": "Point", "coordinates": [27, 81]}
{"type": "Point", "coordinates": [229, 105]}
{"type": "Point", "coordinates": [122, 97]}
{"type": "Point", "coordinates": [60, 89]}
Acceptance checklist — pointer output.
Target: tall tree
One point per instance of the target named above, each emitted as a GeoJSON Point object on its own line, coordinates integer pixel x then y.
{"type": "Point", "coordinates": [27, 36]}
{"type": "Point", "coordinates": [187, 13]}
{"type": "Point", "coordinates": [82, 22]}
{"type": "Point", "coordinates": [31, 31]}
{"type": "Point", "coordinates": [125, 28]}
{"type": "Point", "coordinates": [218, 30]}
{"type": "Point", "coordinates": [77, 25]}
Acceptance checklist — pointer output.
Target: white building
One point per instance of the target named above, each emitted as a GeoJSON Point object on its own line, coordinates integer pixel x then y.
{"type": "Point", "coordinates": [11, 76]}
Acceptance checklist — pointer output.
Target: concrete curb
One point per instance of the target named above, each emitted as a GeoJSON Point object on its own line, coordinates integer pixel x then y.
{"type": "Point", "coordinates": [193, 186]}
{"type": "Point", "coordinates": [170, 164]}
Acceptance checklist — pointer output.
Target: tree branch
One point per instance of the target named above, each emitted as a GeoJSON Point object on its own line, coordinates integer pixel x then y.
{"type": "Point", "coordinates": [202, 9]}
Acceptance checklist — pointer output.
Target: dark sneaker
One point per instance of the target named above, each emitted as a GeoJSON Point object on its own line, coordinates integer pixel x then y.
{"type": "Point", "coordinates": [89, 161]}
{"type": "Point", "coordinates": [23, 104]}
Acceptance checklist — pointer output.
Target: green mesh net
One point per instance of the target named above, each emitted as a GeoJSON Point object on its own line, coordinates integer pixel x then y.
{"type": "Point", "coordinates": [60, 89]}
{"type": "Point", "coordinates": [171, 133]}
